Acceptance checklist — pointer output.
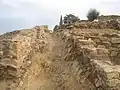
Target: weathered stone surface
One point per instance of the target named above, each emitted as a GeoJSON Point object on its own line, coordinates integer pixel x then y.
{"type": "Point", "coordinates": [111, 24]}
{"type": "Point", "coordinates": [101, 46]}
{"type": "Point", "coordinates": [65, 59]}
{"type": "Point", "coordinates": [115, 40]}
{"type": "Point", "coordinates": [114, 53]}
{"type": "Point", "coordinates": [97, 41]}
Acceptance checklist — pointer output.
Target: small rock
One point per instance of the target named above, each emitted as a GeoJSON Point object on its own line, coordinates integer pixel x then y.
{"type": "Point", "coordinates": [101, 46]}
{"type": "Point", "coordinates": [114, 53]}
{"type": "Point", "coordinates": [115, 40]}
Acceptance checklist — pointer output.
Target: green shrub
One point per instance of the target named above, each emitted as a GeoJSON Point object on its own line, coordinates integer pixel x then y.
{"type": "Point", "coordinates": [70, 18]}
{"type": "Point", "coordinates": [92, 14]}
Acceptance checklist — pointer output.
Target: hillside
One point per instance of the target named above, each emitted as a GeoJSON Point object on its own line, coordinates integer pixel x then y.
{"type": "Point", "coordinates": [65, 59]}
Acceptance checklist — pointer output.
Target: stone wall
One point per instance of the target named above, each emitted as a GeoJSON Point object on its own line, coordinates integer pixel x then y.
{"type": "Point", "coordinates": [16, 50]}
{"type": "Point", "coordinates": [92, 25]}
{"type": "Point", "coordinates": [109, 17]}
{"type": "Point", "coordinates": [66, 59]}
{"type": "Point", "coordinates": [97, 53]}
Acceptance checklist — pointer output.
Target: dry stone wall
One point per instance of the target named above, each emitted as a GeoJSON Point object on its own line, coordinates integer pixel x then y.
{"type": "Point", "coordinates": [109, 17]}
{"type": "Point", "coordinates": [16, 50]}
{"type": "Point", "coordinates": [112, 24]}
{"type": "Point", "coordinates": [97, 52]}
{"type": "Point", "coordinates": [72, 58]}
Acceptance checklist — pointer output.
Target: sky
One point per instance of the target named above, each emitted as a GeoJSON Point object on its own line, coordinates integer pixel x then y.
{"type": "Point", "coordinates": [20, 14]}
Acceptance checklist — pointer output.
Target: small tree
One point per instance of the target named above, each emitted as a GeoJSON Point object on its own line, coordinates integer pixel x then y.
{"type": "Point", "coordinates": [61, 21]}
{"type": "Point", "coordinates": [92, 14]}
{"type": "Point", "coordinates": [56, 27]}
{"type": "Point", "coordinates": [70, 18]}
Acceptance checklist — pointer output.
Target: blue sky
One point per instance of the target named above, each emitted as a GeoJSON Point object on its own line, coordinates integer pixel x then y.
{"type": "Point", "coordinates": [19, 14]}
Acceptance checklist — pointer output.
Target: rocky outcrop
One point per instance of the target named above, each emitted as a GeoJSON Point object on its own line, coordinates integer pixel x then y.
{"type": "Point", "coordinates": [66, 59]}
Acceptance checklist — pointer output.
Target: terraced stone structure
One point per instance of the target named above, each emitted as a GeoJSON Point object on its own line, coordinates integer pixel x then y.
{"type": "Point", "coordinates": [112, 24]}
{"type": "Point", "coordinates": [109, 17]}
{"type": "Point", "coordinates": [72, 58]}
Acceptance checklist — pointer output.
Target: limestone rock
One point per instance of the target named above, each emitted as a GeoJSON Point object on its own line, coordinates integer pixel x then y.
{"type": "Point", "coordinates": [114, 53]}
{"type": "Point", "coordinates": [76, 56]}
{"type": "Point", "coordinates": [115, 40]}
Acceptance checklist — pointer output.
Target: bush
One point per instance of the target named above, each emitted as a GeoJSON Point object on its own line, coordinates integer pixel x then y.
{"type": "Point", "coordinates": [92, 14]}
{"type": "Point", "coordinates": [70, 18]}
{"type": "Point", "coordinates": [56, 27]}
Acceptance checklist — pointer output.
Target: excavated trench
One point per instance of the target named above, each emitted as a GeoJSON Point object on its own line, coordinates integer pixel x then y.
{"type": "Point", "coordinates": [61, 60]}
